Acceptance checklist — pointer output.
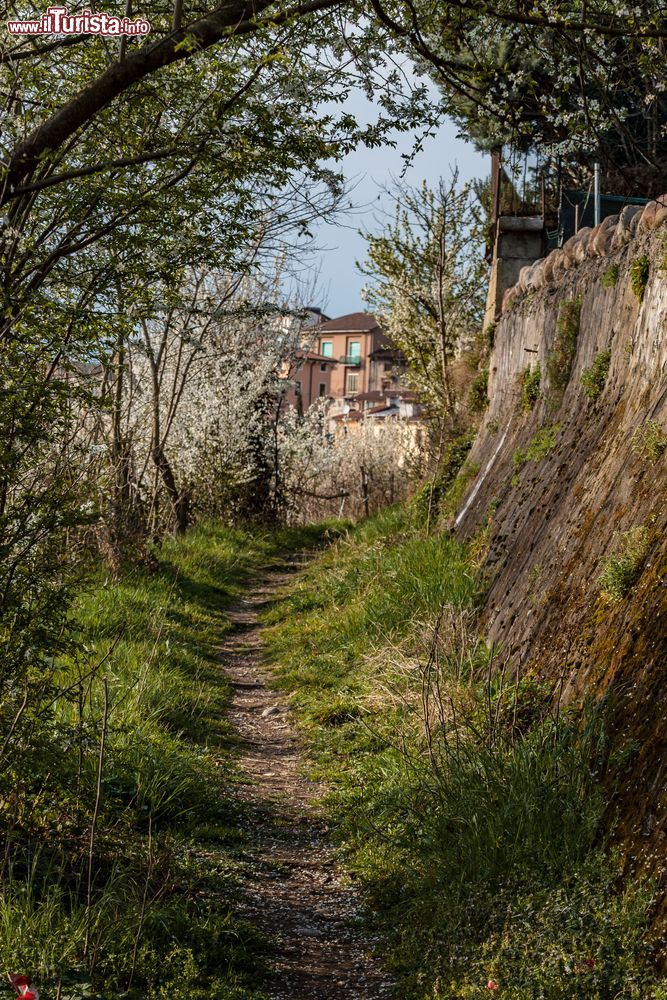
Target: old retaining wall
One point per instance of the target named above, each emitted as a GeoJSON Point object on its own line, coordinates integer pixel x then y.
{"type": "Point", "coordinates": [553, 521]}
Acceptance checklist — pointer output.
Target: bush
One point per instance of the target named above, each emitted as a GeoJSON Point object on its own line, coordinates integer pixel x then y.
{"type": "Point", "coordinates": [621, 570]}
{"type": "Point", "coordinates": [639, 275]}
{"type": "Point", "coordinates": [593, 379]}
{"type": "Point", "coordinates": [530, 380]}
{"type": "Point", "coordinates": [559, 360]}
{"type": "Point", "coordinates": [428, 500]}
{"type": "Point", "coordinates": [478, 399]}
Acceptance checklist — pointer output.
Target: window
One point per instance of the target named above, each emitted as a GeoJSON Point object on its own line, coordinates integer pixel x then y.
{"type": "Point", "coordinates": [352, 382]}
{"type": "Point", "coordinates": [323, 388]}
{"type": "Point", "coordinates": [323, 368]}
{"type": "Point", "coordinates": [354, 349]}
{"type": "Point", "coordinates": [327, 348]}
{"type": "Point", "coordinates": [388, 366]}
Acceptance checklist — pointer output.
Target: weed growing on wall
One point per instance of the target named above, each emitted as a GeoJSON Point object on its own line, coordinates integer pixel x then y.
{"type": "Point", "coordinates": [610, 276]}
{"type": "Point", "coordinates": [593, 379]}
{"type": "Point", "coordinates": [621, 570]}
{"type": "Point", "coordinates": [559, 360]}
{"type": "Point", "coordinates": [529, 380]}
{"type": "Point", "coordinates": [649, 441]}
{"type": "Point", "coordinates": [539, 446]}
{"type": "Point", "coordinates": [639, 274]}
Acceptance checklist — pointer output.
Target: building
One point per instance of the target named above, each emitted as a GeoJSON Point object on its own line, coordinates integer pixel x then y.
{"type": "Point", "coordinates": [309, 378]}
{"type": "Point", "coordinates": [366, 360]}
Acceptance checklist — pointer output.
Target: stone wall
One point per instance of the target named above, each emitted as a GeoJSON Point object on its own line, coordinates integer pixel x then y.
{"type": "Point", "coordinates": [559, 486]}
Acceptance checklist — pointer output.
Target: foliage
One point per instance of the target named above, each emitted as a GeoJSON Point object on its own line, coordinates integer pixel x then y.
{"type": "Point", "coordinates": [530, 380]}
{"type": "Point", "coordinates": [521, 80]}
{"type": "Point", "coordinates": [649, 441]}
{"type": "Point", "coordinates": [621, 570]}
{"type": "Point", "coordinates": [593, 379]}
{"type": "Point", "coordinates": [559, 360]}
{"type": "Point", "coordinates": [427, 283]}
{"type": "Point", "coordinates": [639, 275]}
{"type": "Point", "coordinates": [539, 447]}
{"type": "Point", "coordinates": [478, 399]}
{"type": "Point", "coordinates": [610, 276]}
{"type": "Point", "coordinates": [466, 806]}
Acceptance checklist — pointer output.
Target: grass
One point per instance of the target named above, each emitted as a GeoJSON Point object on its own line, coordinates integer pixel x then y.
{"type": "Point", "coordinates": [593, 379]}
{"type": "Point", "coordinates": [127, 887]}
{"type": "Point", "coordinates": [466, 806]}
{"type": "Point", "coordinates": [621, 570]}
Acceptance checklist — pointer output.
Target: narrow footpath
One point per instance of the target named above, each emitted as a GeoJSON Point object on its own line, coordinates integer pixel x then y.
{"type": "Point", "coordinates": [294, 891]}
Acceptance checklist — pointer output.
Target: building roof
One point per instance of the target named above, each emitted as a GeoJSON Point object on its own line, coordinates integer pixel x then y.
{"type": "Point", "coordinates": [352, 415]}
{"type": "Point", "coordinates": [359, 322]}
{"type": "Point", "coordinates": [314, 356]}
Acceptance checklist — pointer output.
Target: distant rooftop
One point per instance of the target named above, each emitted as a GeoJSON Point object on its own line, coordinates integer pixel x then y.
{"type": "Point", "coordinates": [359, 322]}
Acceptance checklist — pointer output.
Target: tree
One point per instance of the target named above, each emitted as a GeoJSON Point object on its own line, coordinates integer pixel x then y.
{"type": "Point", "coordinates": [579, 82]}
{"type": "Point", "coordinates": [427, 284]}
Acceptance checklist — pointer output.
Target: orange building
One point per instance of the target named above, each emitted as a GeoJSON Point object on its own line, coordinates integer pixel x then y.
{"type": "Point", "coordinates": [309, 379]}
{"type": "Point", "coordinates": [351, 341]}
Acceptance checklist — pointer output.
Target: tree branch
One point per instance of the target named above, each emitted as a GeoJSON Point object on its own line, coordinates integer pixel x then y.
{"type": "Point", "coordinates": [96, 168]}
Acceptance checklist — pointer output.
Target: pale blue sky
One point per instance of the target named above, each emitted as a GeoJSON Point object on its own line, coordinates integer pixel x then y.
{"type": "Point", "coordinates": [340, 282]}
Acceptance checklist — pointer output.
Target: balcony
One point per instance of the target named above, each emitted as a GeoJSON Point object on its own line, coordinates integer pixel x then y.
{"type": "Point", "coordinates": [350, 359]}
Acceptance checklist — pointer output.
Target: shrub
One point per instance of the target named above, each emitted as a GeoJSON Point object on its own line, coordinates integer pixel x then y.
{"type": "Point", "coordinates": [593, 379]}
{"type": "Point", "coordinates": [649, 441]}
{"type": "Point", "coordinates": [610, 276]}
{"type": "Point", "coordinates": [559, 360]}
{"type": "Point", "coordinates": [639, 272]}
{"type": "Point", "coordinates": [478, 399]}
{"type": "Point", "coordinates": [530, 380]}
{"type": "Point", "coordinates": [539, 446]}
{"type": "Point", "coordinates": [428, 500]}
{"type": "Point", "coordinates": [621, 570]}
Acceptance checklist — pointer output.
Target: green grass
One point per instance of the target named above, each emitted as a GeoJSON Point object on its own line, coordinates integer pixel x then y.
{"type": "Point", "coordinates": [593, 379]}
{"type": "Point", "coordinates": [158, 915]}
{"type": "Point", "coordinates": [466, 806]}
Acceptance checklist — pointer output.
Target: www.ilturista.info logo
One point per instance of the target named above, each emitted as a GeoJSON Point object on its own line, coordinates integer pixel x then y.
{"type": "Point", "coordinates": [57, 21]}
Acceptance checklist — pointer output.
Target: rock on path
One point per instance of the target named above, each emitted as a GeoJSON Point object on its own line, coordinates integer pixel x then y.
{"type": "Point", "coordinates": [294, 890]}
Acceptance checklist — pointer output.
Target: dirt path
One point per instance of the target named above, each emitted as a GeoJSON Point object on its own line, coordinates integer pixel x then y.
{"type": "Point", "coordinates": [294, 891]}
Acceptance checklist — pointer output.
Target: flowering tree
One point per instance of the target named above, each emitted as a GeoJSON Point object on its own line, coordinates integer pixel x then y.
{"type": "Point", "coordinates": [427, 282]}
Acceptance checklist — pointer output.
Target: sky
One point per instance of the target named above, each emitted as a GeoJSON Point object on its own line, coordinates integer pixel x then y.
{"type": "Point", "coordinates": [340, 283]}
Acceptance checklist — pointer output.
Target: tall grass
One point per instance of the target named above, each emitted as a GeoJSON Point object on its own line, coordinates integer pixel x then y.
{"type": "Point", "coordinates": [467, 802]}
